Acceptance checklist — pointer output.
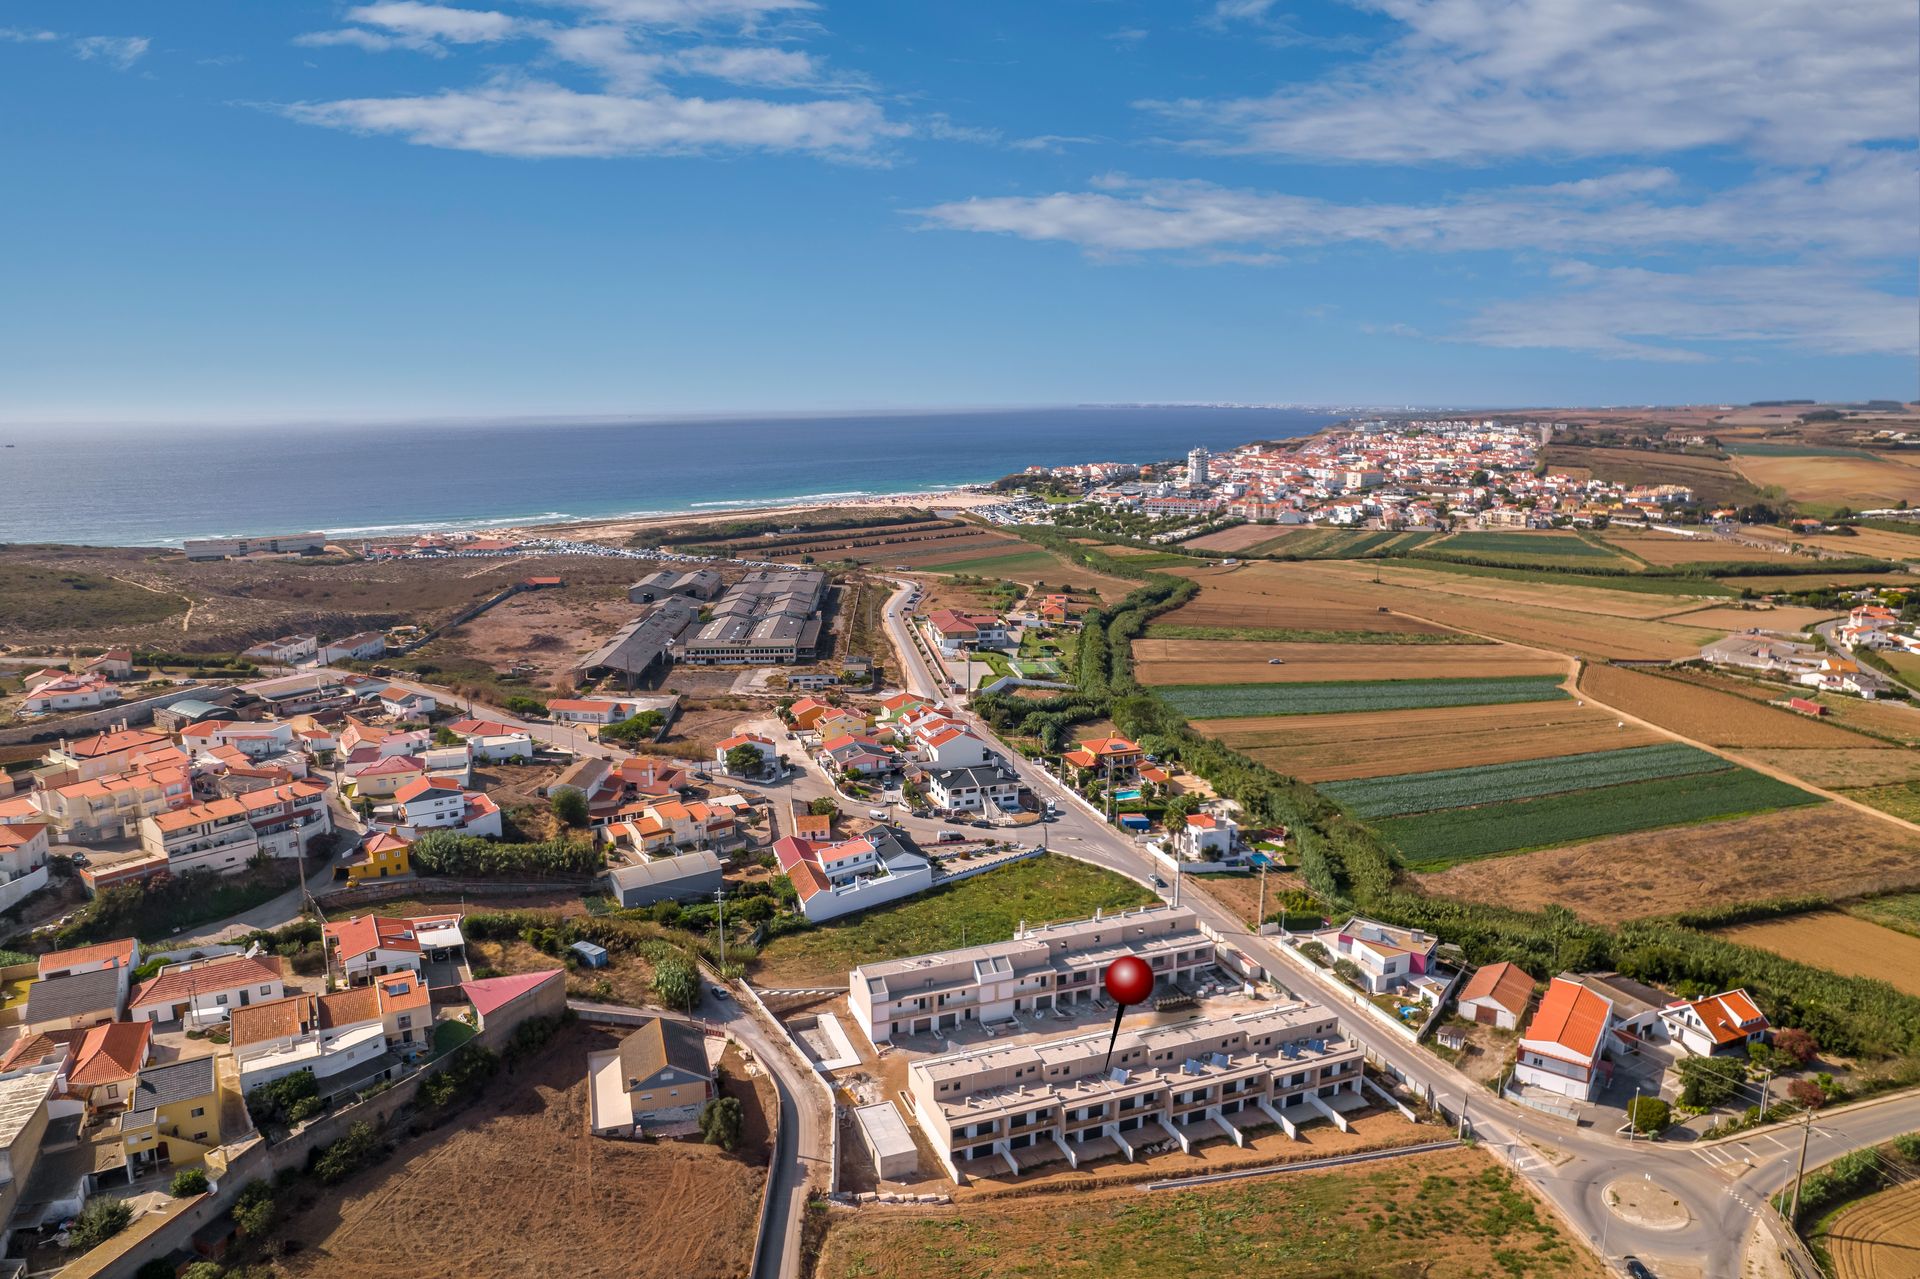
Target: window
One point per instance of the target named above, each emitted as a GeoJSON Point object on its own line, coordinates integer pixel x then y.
{"type": "Point", "coordinates": [266, 990]}
{"type": "Point", "coordinates": [220, 1000]}
{"type": "Point", "coordinates": [198, 1112]}
{"type": "Point", "coordinates": [200, 1136]}
{"type": "Point", "coordinates": [113, 1091]}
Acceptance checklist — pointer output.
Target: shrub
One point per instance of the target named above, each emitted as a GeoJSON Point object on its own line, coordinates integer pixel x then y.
{"type": "Point", "coordinates": [721, 1121]}
{"type": "Point", "coordinates": [98, 1222]}
{"type": "Point", "coordinates": [286, 1100]}
{"type": "Point", "coordinates": [254, 1210]}
{"type": "Point", "coordinates": [445, 853]}
{"type": "Point", "coordinates": [188, 1181]}
{"type": "Point", "coordinates": [1808, 1093]}
{"type": "Point", "coordinates": [1707, 1081]}
{"type": "Point", "coordinates": [462, 1078]}
{"type": "Point", "coordinates": [525, 706]}
{"type": "Point", "coordinates": [204, 1270]}
{"type": "Point", "coordinates": [1347, 971]}
{"type": "Point", "coordinates": [676, 983]}
{"type": "Point", "coordinates": [823, 807]}
{"type": "Point", "coordinates": [570, 806]}
{"type": "Point", "coordinates": [360, 1147]}
{"type": "Point", "coordinates": [1797, 1044]}
{"type": "Point", "coordinates": [1648, 1114]}
{"type": "Point", "coordinates": [1315, 951]}
{"type": "Point", "coordinates": [157, 1268]}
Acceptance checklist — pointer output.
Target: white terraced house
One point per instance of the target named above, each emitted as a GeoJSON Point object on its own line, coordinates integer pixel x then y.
{"type": "Point", "coordinates": [1038, 969]}
{"type": "Point", "coordinates": [1021, 1105]}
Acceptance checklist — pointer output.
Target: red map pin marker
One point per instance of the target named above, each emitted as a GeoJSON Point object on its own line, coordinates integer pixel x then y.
{"type": "Point", "coordinates": [1129, 981]}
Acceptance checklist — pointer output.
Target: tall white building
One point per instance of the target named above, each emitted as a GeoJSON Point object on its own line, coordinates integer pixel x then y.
{"type": "Point", "coordinates": [1197, 460]}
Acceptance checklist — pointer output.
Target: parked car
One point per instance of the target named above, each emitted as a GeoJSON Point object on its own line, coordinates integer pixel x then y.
{"type": "Point", "coordinates": [949, 837]}
{"type": "Point", "coordinates": [1276, 661]}
{"type": "Point", "coordinates": [80, 859]}
{"type": "Point", "coordinates": [1635, 1268]}
{"type": "Point", "coordinates": [1156, 881]}
{"type": "Point", "coordinates": [982, 823]}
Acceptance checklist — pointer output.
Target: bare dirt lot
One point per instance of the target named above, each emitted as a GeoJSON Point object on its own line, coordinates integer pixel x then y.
{"type": "Point", "coordinates": [514, 1187]}
{"type": "Point", "coordinates": [1711, 864]}
{"type": "Point", "coordinates": [1158, 661]}
{"type": "Point", "coordinates": [1326, 748]}
{"type": "Point", "coordinates": [1446, 1215]}
{"type": "Point", "coordinates": [1706, 715]}
{"type": "Point", "coordinates": [1842, 943]}
{"type": "Point", "coordinates": [1733, 617]}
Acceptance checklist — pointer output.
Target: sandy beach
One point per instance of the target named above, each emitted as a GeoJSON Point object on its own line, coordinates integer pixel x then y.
{"type": "Point", "coordinates": [617, 531]}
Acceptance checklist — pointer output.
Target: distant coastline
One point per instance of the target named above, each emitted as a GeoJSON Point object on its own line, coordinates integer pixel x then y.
{"type": "Point", "coordinates": [142, 487]}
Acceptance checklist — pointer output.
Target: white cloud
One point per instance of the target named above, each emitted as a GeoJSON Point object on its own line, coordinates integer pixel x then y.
{"type": "Point", "coordinates": [1482, 80]}
{"type": "Point", "coordinates": [18, 35]}
{"type": "Point", "coordinates": [1860, 208]}
{"type": "Point", "coordinates": [1634, 313]}
{"type": "Point", "coordinates": [780, 68]}
{"type": "Point", "coordinates": [687, 13]}
{"type": "Point", "coordinates": [609, 49]}
{"type": "Point", "coordinates": [121, 51]}
{"type": "Point", "coordinates": [359, 38]}
{"type": "Point", "coordinates": [537, 119]}
{"type": "Point", "coordinates": [436, 21]}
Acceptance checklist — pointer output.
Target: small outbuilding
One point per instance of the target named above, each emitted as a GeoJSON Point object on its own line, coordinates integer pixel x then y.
{"type": "Point", "coordinates": [888, 1142]}
{"type": "Point", "coordinates": [1497, 995]}
{"type": "Point", "coordinates": [591, 955]}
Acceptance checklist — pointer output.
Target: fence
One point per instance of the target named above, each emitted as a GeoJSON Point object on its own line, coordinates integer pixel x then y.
{"type": "Point", "coordinates": [994, 863]}
{"type": "Point", "coordinates": [393, 889]}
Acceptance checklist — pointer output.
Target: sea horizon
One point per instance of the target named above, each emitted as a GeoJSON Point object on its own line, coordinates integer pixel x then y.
{"type": "Point", "coordinates": [132, 486]}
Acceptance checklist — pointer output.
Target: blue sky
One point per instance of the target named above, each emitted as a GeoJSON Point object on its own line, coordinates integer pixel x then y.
{"type": "Point", "coordinates": [233, 210]}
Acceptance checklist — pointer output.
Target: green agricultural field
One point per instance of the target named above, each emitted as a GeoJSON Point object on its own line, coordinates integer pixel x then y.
{"type": "Point", "coordinates": [1902, 799]}
{"type": "Point", "coordinates": [1338, 544]}
{"type": "Point", "coordinates": [1899, 911]}
{"type": "Point", "coordinates": [1546, 548]}
{"type": "Point", "coordinates": [1223, 701]}
{"type": "Point", "coordinates": [982, 909]}
{"type": "Point", "coordinates": [1405, 793]}
{"type": "Point", "coordinates": [1433, 841]}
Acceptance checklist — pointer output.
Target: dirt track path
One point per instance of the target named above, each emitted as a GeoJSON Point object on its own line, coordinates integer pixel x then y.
{"type": "Point", "coordinates": [191, 603]}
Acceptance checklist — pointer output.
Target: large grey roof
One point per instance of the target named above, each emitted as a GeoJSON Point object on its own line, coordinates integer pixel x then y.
{"type": "Point", "coordinates": [73, 995]}
{"type": "Point", "coordinates": [666, 870]}
{"type": "Point", "coordinates": [641, 642]}
{"type": "Point", "coordinates": [176, 1081]}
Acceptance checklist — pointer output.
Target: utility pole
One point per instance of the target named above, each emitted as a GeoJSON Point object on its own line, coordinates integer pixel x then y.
{"type": "Point", "coordinates": [1461, 1132]}
{"type": "Point", "coordinates": [720, 926]}
{"type": "Point", "coordinates": [1806, 1135]}
{"type": "Point", "coordinates": [1633, 1115]}
{"type": "Point", "coordinates": [1260, 919]}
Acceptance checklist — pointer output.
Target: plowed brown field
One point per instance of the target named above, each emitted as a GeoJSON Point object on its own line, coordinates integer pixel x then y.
{"type": "Point", "coordinates": [1664, 550]}
{"type": "Point", "coordinates": [1823, 848]}
{"type": "Point", "coordinates": [1842, 769]}
{"type": "Point", "coordinates": [1328, 748]}
{"type": "Point", "coordinates": [1877, 1237]}
{"type": "Point", "coordinates": [516, 1187]}
{"type": "Point", "coordinates": [1248, 662]}
{"type": "Point", "coordinates": [1842, 943]}
{"type": "Point", "coordinates": [1238, 538]}
{"type": "Point", "coordinates": [1229, 608]}
{"type": "Point", "coordinates": [1719, 719]}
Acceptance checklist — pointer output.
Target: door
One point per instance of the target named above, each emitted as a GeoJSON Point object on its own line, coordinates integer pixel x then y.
{"type": "Point", "coordinates": [1483, 1014]}
{"type": "Point", "coordinates": [244, 1001]}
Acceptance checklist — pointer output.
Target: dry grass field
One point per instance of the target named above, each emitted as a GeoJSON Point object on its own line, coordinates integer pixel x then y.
{"type": "Point", "coordinates": [516, 1187]}
{"type": "Point", "coordinates": [1450, 1214]}
{"type": "Point", "coordinates": [1843, 943]}
{"type": "Point", "coordinates": [1342, 580]}
{"type": "Point", "coordinates": [1880, 543]}
{"type": "Point", "coordinates": [1668, 550]}
{"type": "Point", "coordinates": [1845, 768]}
{"type": "Point", "coordinates": [1859, 482]}
{"type": "Point", "coordinates": [1799, 583]}
{"type": "Point", "coordinates": [1327, 748]}
{"type": "Point", "coordinates": [1711, 478]}
{"type": "Point", "coordinates": [1874, 1238]}
{"type": "Point", "coordinates": [1732, 617]}
{"type": "Point", "coordinates": [1707, 715]}
{"type": "Point", "coordinates": [1267, 603]}
{"type": "Point", "coordinates": [1240, 537]}
{"type": "Point", "coordinates": [1825, 848]}
{"type": "Point", "coordinates": [1159, 661]}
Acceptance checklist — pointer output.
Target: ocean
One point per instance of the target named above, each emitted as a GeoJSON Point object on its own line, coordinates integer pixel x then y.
{"type": "Point", "coordinates": [154, 486]}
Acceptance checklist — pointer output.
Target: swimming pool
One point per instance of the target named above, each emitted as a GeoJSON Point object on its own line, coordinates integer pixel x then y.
{"type": "Point", "coordinates": [1132, 792]}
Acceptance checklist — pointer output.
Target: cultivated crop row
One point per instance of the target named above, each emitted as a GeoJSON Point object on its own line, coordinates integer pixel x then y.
{"type": "Point", "coordinates": [1405, 793]}
{"type": "Point", "coordinates": [1221, 701]}
{"type": "Point", "coordinates": [1433, 840]}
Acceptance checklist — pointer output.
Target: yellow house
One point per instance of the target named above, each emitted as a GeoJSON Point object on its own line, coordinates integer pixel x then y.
{"type": "Point", "coordinates": [173, 1117]}
{"type": "Point", "coordinates": [383, 856]}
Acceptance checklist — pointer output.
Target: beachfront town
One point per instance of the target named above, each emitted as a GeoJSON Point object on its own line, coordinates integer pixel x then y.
{"type": "Point", "coordinates": [1412, 474]}
{"type": "Point", "coordinates": [261, 908]}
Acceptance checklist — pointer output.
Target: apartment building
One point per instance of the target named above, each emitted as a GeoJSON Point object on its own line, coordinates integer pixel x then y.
{"type": "Point", "coordinates": [1036, 970]}
{"type": "Point", "coordinates": [347, 1038]}
{"type": "Point", "coordinates": [104, 753]}
{"type": "Point", "coordinates": [216, 835]}
{"type": "Point", "coordinates": [1022, 1105]}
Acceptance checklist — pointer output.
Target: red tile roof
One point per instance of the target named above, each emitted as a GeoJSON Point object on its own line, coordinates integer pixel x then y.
{"type": "Point", "coordinates": [1508, 985]}
{"type": "Point", "coordinates": [83, 956]}
{"type": "Point", "coordinates": [1729, 1017]}
{"type": "Point", "coordinates": [1572, 1017]}
{"type": "Point", "coordinates": [111, 1052]}
{"type": "Point", "coordinates": [490, 994]}
{"type": "Point", "coordinates": [177, 985]}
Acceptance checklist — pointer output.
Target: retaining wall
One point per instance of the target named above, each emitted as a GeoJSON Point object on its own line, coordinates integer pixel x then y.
{"type": "Point", "coordinates": [138, 711]}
